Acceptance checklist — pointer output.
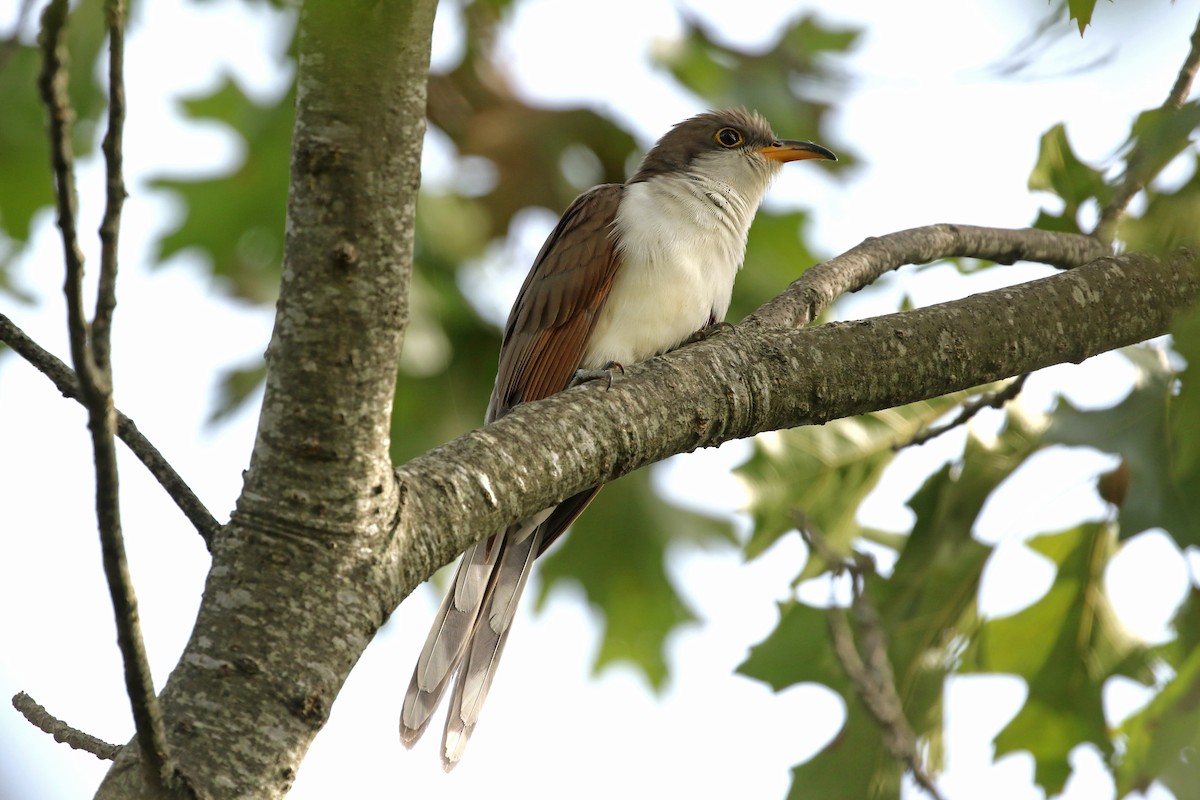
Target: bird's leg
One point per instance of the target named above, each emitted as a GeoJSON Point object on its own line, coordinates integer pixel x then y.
{"type": "Point", "coordinates": [707, 331]}
{"type": "Point", "coordinates": [606, 372]}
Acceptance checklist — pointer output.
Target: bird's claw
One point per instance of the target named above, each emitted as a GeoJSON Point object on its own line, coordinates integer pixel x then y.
{"type": "Point", "coordinates": [709, 330]}
{"type": "Point", "coordinates": [605, 372]}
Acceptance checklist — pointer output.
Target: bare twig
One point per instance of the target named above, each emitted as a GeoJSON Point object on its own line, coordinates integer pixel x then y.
{"type": "Point", "coordinates": [1187, 73]}
{"type": "Point", "coordinates": [820, 285]}
{"type": "Point", "coordinates": [969, 410]}
{"type": "Point", "coordinates": [67, 383]}
{"type": "Point", "coordinates": [61, 731]}
{"type": "Point", "coordinates": [90, 354]}
{"type": "Point", "coordinates": [110, 227]}
{"type": "Point", "coordinates": [872, 677]}
{"type": "Point", "coordinates": [53, 85]}
{"type": "Point", "coordinates": [1135, 178]}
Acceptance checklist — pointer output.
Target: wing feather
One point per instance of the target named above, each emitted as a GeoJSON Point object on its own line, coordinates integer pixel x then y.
{"type": "Point", "coordinates": [556, 309]}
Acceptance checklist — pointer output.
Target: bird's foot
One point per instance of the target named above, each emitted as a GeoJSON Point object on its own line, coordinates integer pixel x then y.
{"type": "Point", "coordinates": [705, 332]}
{"type": "Point", "coordinates": [605, 373]}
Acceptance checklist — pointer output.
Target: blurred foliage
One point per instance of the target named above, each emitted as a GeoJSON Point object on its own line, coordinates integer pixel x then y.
{"type": "Point", "coordinates": [1147, 430]}
{"type": "Point", "coordinates": [781, 83]}
{"type": "Point", "coordinates": [236, 221]}
{"type": "Point", "coordinates": [1163, 737]}
{"type": "Point", "coordinates": [1065, 646]}
{"type": "Point", "coordinates": [1068, 644]}
{"type": "Point", "coordinates": [1081, 12]}
{"type": "Point", "coordinates": [1061, 173]}
{"type": "Point", "coordinates": [27, 184]}
{"type": "Point", "coordinates": [826, 472]}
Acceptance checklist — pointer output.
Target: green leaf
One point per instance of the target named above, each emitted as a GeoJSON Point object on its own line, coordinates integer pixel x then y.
{"type": "Point", "coordinates": [1060, 172]}
{"type": "Point", "coordinates": [1081, 12]}
{"type": "Point", "coordinates": [1169, 220]}
{"type": "Point", "coordinates": [1163, 739]}
{"type": "Point", "coordinates": [928, 604]}
{"type": "Point", "coordinates": [1151, 431]}
{"type": "Point", "coordinates": [925, 609]}
{"type": "Point", "coordinates": [825, 472]}
{"type": "Point", "coordinates": [1160, 134]}
{"type": "Point", "coordinates": [24, 148]}
{"type": "Point", "coordinates": [235, 385]}
{"type": "Point", "coordinates": [617, 553]}
{"type": "Point", "coordinates": [797, 651]}
{"type": "Point", "coordinates": [855, 764]}
{"type": "Point", "coordinates": [1184, 409]}
{"type": "Point", "coordinates": [1175, 652]}
{"type": "Point", "coordinates": [237, 220]}
{"type": "Point", "coordinates": [1065, 646]}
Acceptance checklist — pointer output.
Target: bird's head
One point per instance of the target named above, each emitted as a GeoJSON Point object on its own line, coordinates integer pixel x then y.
{"type": "Point", "coordinates": [735, 147]}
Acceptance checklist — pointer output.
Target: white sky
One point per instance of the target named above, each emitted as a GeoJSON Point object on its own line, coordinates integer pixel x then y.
{"type": "Point", "coordinates": [941, 141]}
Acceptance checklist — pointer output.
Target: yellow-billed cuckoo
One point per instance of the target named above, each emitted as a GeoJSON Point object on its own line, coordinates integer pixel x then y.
{"type": "Point", "coordinates": [630, 271]}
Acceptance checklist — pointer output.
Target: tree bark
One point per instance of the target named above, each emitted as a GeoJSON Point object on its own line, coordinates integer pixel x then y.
{"type": "Point", "coordinates": [288, 607]}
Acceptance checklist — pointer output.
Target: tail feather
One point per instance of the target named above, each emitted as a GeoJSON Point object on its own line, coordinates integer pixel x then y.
{"type": "Point", "coordinates": [447, 642]}
{"type": "Point", "coordinates": [487, 643]}
{"type": "Point", "coordinates": [459, 619]}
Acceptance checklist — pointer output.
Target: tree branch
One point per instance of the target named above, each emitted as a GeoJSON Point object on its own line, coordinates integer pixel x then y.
{"type": "Point", "coordinates": [61, 731]}
{"type": "Point", "coordinates": [67, 383]}
{"type": "Point", "coordinates": [90, 354]}
{"type": "Point", "coordinates": [969, 410]}
{"type": "Point", "coordinates": [872, 678]}
{"type": "Point", "coordinates": [110, 226]}
{"type": "Point", "coordinates": [814, 291]}
{"type": "Point", "coordinates": [757, 378]}
{"type": "Point", "coordinates": [1135, 178]}
{"type": "Point", "coordinates": [294, 596]}
{"type": "Point", "coordinates": [53, 86]}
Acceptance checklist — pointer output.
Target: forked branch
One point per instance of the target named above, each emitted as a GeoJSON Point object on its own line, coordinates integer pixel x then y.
{"type": "Point", "coordinates": [90, 350]}
{"type": "Point", "coordinates": [864, 658]}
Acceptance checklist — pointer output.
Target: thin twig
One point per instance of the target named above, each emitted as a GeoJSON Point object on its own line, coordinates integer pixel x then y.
{"type": "Point", "coordinates": [873, 679]}
{"type": "Point", "coordinates": [110, 226]}
{"type": "Point", "coordinates": [65, 381]}
{"type": "Point", "coordinates": [61, 731]}
{"type": "Point", "coordinates": [820, 285]}
{"type": "Point", "coordinates": [53, 85]}
{"type": "Point", "coordinates": [1135, 178]}
{"type": "Point", "coordinates": [92, 366]}
{"type": "Point", "coordinates": [969, 410]}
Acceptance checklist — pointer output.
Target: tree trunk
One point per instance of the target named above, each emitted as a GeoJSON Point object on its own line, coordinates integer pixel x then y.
{"type": "Point", "coordinates": [288, 606]}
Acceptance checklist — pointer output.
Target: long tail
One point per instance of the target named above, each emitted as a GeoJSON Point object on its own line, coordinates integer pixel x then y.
{"type": "Point", "coordinates": [448, 638]}
{"type": "Point", "coordinates": [472, 626]}
{"type": "Point", "coordinates": [487, 643]}
{"type": "Point", "coordinates": [486, 571]}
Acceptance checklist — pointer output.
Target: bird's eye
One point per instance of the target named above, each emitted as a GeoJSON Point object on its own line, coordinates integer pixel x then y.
{"type": "Point", "coordinates": [729, 137]}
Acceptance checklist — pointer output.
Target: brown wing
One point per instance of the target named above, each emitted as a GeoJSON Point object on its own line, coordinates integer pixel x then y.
{"type": "Point", "coordinates": [557, 306]}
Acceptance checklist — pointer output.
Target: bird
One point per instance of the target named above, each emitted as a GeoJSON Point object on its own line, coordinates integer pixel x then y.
{"type": "Point", "coordinates": [630, 271]}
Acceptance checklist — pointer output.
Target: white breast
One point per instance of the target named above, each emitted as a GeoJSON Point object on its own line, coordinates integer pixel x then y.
{"type": "Point", "coordinates": [682, 241]}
